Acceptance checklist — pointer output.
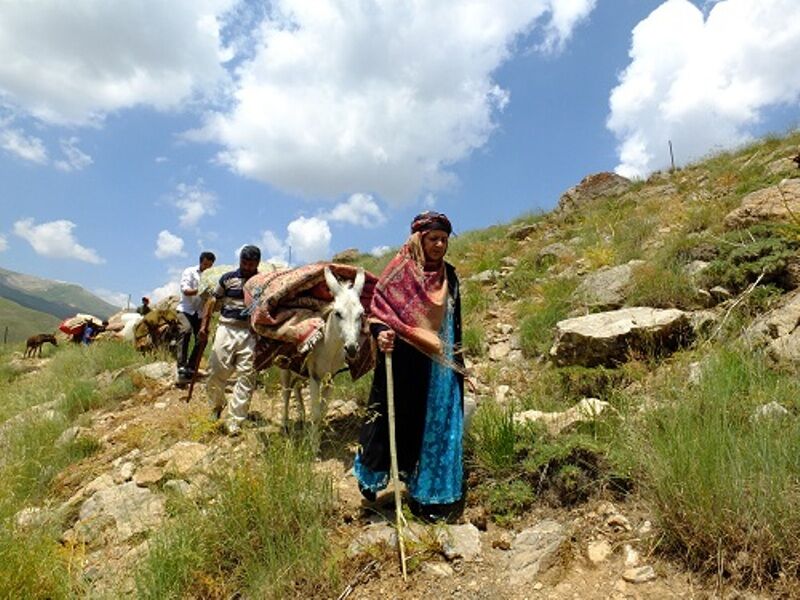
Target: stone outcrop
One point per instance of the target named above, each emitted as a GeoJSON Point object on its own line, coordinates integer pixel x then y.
{"type": "Point", "coordinates": [346, 256]}
{"type": "Point", "coordinates": [534, 550]}
{"type": "Point", "coordinates": [776, 203]}
{"type": "Point", "coordinates": [779, 330]}
{"type": "Point", "coordinates": [605, 288]}
{"type": "Point", "coordinates": [556, 422]}
{"type": "Point", "coordinates": [591, 187]}
{"type": "Point", "coordinates": [609, 338]}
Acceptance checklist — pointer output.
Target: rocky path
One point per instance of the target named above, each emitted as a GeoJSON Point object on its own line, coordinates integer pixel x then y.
{"type": "Point", "coordinates": [155, 444]}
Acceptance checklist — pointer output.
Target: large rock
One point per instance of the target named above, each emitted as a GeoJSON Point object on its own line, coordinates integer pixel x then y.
{"type": "Point", "coordinates": [775, 203]}
{"type": "Point", "coordinates": [609, 338]}
{"type": "Point", "coordinates": [605, 288]}
{"type": "Point", "coordinates": [461, 541]}
{"type": "Point", "coordinates": [593, 186]}
{"type": "Point", "coordinates": [587, 409]}
{"type": "Point", "coordinates": [182, 459]}
{"type": "Point", "coordinates": [534, 550]}
{"type": "Point", "coordinates": [778, 330]}
{"type": "Point", "coordinates": [127, 509]}
{"type": "Point", "coordinates": [157, 370]}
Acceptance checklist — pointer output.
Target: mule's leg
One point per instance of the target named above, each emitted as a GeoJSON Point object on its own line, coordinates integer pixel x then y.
{"type": "Point", "coordinates": [315, 393]}
{"type": "Point", "coordinates": [286, 392]}
{"type": "Point", "coordinates": [297, 385]}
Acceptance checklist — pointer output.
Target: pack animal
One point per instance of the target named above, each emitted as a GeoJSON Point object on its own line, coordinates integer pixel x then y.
{"type": "Point", "coordinates": [35, 343]}
{"type": "Point", "coordinates": [340, 339]}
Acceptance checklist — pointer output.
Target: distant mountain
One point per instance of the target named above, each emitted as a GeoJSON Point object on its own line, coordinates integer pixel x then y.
{"type": "Point", "coordinates": [18, 322]}
{"type": "Point", "coordinates": [52, 297]}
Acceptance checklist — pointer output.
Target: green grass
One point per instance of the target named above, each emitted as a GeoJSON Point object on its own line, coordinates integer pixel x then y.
{"type": "Point", "coordinates": [263, 536]}
{"type": "Point", "coordinates": [724, 487]}
{"type": "Point", "coordinates": [538, 319]}
{"type": "Point", "coordinates": [31, 458]}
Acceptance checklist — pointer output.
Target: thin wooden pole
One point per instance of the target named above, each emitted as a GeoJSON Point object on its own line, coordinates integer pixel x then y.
{"type": "Point", "coordinates": [398, 505]}
{"type": "Point", "coordinates": [671, 156]}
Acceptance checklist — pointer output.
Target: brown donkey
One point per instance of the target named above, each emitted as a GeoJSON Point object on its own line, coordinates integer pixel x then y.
{"type": "Point", "coordinates": [35, 342]}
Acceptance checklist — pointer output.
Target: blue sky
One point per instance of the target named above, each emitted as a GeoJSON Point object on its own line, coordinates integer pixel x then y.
{"type": "Point", "coordinates": [135, 135]}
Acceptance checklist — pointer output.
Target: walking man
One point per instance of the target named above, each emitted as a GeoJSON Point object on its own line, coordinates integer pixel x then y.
{"type": "Point", "coordinates": [234, 343]}
{"type": "Point", "coordinates": [189, 313]}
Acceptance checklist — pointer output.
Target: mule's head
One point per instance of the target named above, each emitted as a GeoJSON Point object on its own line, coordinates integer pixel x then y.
{"type": "Point", "coordinates": [346, 312]}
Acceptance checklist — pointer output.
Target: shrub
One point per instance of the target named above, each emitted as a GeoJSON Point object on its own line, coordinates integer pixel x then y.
{"type": "Point", "coordinates": [745, 255]}
{"type": "Point", "coordinates": [723, 485]}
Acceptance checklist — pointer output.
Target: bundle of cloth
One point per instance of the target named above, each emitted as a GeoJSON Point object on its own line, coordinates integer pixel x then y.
{"type": "Point", "coordinates": [156, 327]}
{"type": "Point", "coordinates": [210, 277]}
{"type": "Point", "coordinates": [74, 325]}
{"type": "Point", "coordinates": [288, 309]}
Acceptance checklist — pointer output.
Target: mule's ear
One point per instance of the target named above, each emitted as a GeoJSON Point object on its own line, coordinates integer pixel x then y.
{"type": "Point", "coordinates": [358, 284]}
{"type": "Point", "coordinates": [333, 284]}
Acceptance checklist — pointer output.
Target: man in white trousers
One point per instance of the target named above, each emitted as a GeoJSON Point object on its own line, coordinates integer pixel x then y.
{"type": "Point", "coordinates": [234, 346]}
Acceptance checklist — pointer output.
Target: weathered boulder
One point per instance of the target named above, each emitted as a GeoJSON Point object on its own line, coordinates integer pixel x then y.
{"type": "Point", "coordinates": [156, 370]}
{"type": "Point", "coordinates": [181, 459]}
{"type": "Point", "coordinates": [126, 509]}
{"type": "Point", "coordinates": [778, 330]}
{"type": "Point", "coordinates": [346, 256]}
{"type": "Point", "coordinates": [461, 541]}
{"type": "Point", "coordinates": [556, 422]}
{"type": "Point", "coordinates": [554, 252]}
{"type": "Point", "coordinates": [605, 288]}
{"type": "Point", "coordinates": [775, 203]}
{"type": "Point", "coordinates": [520, 232]}
{"type": "Point", "coordinates": [593, 186]}
{"type": "Point", "coordinates": [534, 550]}
{"type": "Point", "coordinates": [609, 338]}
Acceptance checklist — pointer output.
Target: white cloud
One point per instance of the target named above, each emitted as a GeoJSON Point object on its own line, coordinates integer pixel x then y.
{"type": "Point", "coordinates": [566, 15]}
{"type": "Point", "coordinates": [55, 240]}
{"type": "Point", "coordinates": [358, 209]}
{"type": "Point", "coordinates": [118, 299]}
{"type": "Point", "coordinates": [272, 247]}
{"type": "Point", "coordinates": [380, 251]}
{"type": "Point", "coordinates": [161, 159]}
{"type": "Point", "coordinates": [25, 147]}
{"type": "Point", "coordinates": [168, 245]}
{"type": "Point", "coordinates": [703, 82]}
{"type": "Point", "coordinates": [74, 158]}
{"type": "Point", "coordinates": [171, 288]}
{"type": "Point", "coordinates": [309, 239]}
{"type": "Point", "coordinates": [383, 97]}
{"type": "Point", "coordinates": [3, 243]}
{"type": "Point", "coordinates": [74, 62]}
{"type": "Point", "coordinates": [194, 202]}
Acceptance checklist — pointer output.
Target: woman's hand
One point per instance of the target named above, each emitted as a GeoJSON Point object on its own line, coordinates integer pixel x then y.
{"type": "Point", "coordinates": [386, 340]}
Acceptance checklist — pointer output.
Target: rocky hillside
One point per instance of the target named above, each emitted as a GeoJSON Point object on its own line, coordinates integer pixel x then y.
{"type": "Point", "coordinates": [633, 427]}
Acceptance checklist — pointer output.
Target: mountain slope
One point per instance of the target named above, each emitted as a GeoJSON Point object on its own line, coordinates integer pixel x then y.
{"type": "Point", "coordinates": [54, 297]}
{"type": "Point", "coordinates": [23, 322]}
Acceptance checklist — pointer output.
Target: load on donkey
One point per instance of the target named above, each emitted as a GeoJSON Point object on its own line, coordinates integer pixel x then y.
{"type": "Point", "coordinates": [311, 321]}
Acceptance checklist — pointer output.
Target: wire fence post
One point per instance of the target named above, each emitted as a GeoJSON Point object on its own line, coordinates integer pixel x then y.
{"type": "Point", "coordinates": [671, 156]}
{"type": "Point", "coordinates": [5, 336]}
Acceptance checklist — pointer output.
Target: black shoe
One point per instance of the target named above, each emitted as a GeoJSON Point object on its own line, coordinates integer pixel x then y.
{"type": "Point", "coordinates": [368, 494]}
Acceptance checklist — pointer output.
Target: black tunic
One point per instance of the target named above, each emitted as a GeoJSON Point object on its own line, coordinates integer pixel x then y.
{"type": "Point", "coordinates": [411, 369]}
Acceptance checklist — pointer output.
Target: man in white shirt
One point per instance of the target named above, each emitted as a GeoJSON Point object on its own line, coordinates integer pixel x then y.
{"type": "Point", "coordinates": [189, 314]}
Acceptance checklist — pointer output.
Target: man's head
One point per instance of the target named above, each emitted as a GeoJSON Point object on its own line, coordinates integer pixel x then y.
{"type": "Point", "coordinates": [249, 258]}
{"type": "Point", "coordinates": [206, 260]}
{"type": "Point", "coordinates": [145, 300]}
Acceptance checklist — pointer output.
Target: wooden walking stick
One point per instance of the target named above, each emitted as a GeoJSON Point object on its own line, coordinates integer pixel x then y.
{"type": "Point", "coordinates": [398, 506]}
{"type": "Point", "coordinates": [201, 347]}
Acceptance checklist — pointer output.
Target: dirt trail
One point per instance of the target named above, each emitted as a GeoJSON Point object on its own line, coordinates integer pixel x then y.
{"type": "Point", "coordinates": [157, 418]}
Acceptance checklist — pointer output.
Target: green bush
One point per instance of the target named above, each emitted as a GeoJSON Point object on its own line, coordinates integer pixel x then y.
{"type": "Point", "coordinates": [724, 486]}
{"type": "Point", "coordinates": [745, 255]}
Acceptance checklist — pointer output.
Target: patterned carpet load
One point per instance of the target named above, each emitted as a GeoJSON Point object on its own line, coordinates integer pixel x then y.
{"type": "Point", "coordinates": [288, 310]}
